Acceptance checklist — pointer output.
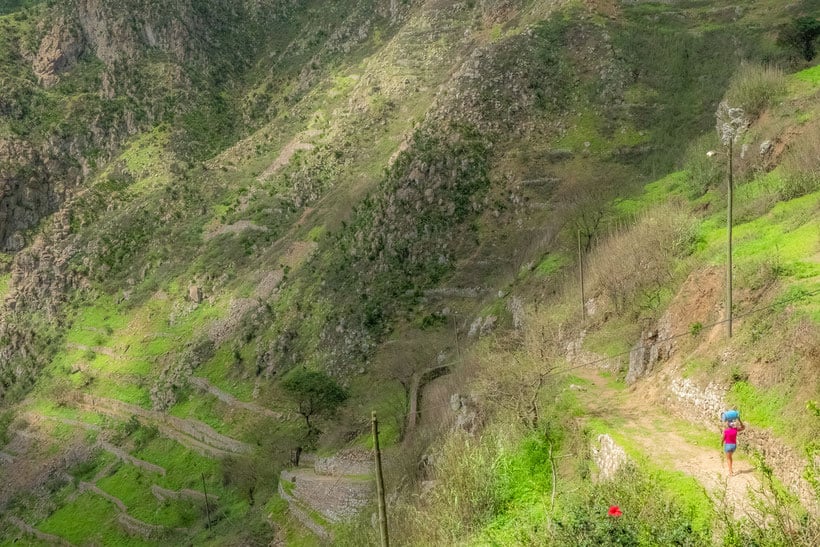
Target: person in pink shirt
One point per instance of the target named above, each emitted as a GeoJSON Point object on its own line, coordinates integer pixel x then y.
{"type": "Point", "coordinates": [730, 440]}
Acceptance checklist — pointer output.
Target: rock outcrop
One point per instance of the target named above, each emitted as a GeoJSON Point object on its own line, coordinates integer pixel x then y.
{"type": "Point", "coordinates": [59, 51]}
{"type": "Point", "coordinates": [654, 347]}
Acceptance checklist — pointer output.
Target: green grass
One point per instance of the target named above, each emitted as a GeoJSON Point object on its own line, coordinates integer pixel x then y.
{"type": "Point", "coordinates": [277, 508]}
{"type": "Point", "coordinates": [809, 75]}
{"type": "Point", "coordinates": [550, 264]}
{"type": "Point", "coordinates": [217, 371]}
{"type": "Point", "coordinates": [53, 409]}
{"type": "Point", "coordinates": [287, 486]}
{"type": "Point", "coordinates": [96, 322]}
{"type": "Point", "coordinates": [89, 519]}
{"type": "Point", "coordinates": [205, 408]}
{"type": "Point", "coordinates": [586, 134]}
{"type": "Point", "coordinates": [763, 408]}
{"type": "Point", "coordinates": [184, 468]}
{"type": "Point", "coordinates": [115, 388]}
{"type": "Point", "coordinates": [788, 231]}
{"type": "Point", "coordinates": [654, 193]}
{"type": "Point", "coordinates": [133, 486]}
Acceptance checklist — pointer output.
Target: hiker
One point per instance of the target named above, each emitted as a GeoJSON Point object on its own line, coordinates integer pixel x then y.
{"type": "Point", "coordinates": [730, 440]}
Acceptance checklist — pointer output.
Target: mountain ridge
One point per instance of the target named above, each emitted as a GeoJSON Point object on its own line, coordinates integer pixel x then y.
{"type": "Point", "coordinates": [349, 197]}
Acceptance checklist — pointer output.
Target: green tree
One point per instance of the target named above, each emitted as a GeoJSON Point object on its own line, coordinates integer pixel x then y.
{"type": "Point", "coordinates": [801, 35]}
{"type": "Point", "coordinates": [315, 394]}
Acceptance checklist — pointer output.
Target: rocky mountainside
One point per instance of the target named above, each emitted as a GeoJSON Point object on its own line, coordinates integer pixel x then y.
{"type": "Point", "coordinates": [198, 200]}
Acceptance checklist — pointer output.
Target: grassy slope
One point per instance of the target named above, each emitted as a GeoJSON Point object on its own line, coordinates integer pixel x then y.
{"type": "Point", "coordinates": [786, 296]}
{"type": "Point", "coordinates": [152, 326]}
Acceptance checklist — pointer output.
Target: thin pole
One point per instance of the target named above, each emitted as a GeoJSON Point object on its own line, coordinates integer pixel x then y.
{"type": "Point", "coordinates": [729, 246]}
{"type": "Point", "coordinates": [581, 276]}
{"type": "Point", "coordinates": [207, 507]}
{"type": "Point", "coordinates": [380, 484]}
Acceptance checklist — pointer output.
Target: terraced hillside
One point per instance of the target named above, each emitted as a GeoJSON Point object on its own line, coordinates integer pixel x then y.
{"type": "Point", "coordinates": [201, 200]}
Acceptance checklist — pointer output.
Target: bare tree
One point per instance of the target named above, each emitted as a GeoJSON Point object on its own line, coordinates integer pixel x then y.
{"type": "Point", "coordinates": [586, 204]}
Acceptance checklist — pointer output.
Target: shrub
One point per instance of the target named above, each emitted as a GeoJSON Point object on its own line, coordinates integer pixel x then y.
{"type": "Point", "coordinates": [801, 166]}
{"type": "Point", "coordinates": [755, 87]}
{"type": "Point", "coordinates": [702, 171]}
{"type": "Point", "coordinates": [640, 260]}
{"type": "Point", "coordinates": [651, 515]}
{"type": "Point", "coordinates": [800, 36]}
{"type": "Point", "coordinates": [466, 494]}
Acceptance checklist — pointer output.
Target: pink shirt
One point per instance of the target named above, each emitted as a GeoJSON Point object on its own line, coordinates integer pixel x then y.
{"type": "Point", "coordinates": [730, 436]}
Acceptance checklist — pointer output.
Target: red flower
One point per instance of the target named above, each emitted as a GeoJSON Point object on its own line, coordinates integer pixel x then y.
{"type": "Point", "coordinates": [614, 511]}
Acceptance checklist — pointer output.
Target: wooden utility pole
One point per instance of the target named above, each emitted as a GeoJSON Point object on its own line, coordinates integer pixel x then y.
{"type": "Point", "coordinates": [380, 484]}
{"type": "Point", "coordinates": [207, 507]}
{"type": "Point", "coordinates": [729, 245]}
{"type": "Point", "coordinates": [581, 276]}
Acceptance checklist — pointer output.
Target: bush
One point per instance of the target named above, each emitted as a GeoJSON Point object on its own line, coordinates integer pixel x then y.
{"type": "Point", "coordinates": [651, 515]}
{"type": "Point", "coordinates": [640, 260]}
{"type": "Point", "coordinates": [755, 87]}
{"type": "Point", "coordinates": [467, 491]}
{"type": "Point", "coordinates": [800, 36]}
{"type": "Point", "coordinates": [703, 172]}
{"type": "Point", "coordinates": [801, 166]}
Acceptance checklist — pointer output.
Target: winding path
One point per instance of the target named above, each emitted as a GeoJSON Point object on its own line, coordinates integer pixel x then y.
{"type": "Point", "coordinates": [204, 385]}
{"type": "Point", "coordinates": [419, 380]}
{"type": "Point", "coordinates": [634, 415]}
{"type": "Point", "coordinates": [328, 490]}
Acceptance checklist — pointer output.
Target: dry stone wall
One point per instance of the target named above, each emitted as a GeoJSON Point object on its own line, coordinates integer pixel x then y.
{"type": "Point", "coordinates": [608, 457]}
{"type": "Point", "coordinates": [353, 461]}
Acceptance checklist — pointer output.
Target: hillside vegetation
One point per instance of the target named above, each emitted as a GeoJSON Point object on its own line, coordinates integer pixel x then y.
{"type": "Point", "coordinates": [230, 230]}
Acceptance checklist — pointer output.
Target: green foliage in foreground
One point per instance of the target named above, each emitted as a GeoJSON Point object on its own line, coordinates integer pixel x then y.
{"type": "Point", "coordinates": [494, 490]}
{"type": "Point", "coordinates": [651, 514]}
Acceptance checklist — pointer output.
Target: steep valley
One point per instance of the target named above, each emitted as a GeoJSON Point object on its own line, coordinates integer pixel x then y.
{"type": "Point", "coordinates": [231, 230]}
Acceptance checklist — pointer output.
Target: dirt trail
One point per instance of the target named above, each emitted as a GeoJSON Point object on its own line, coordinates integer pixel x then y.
{"type": "Point", "coordinates": [204, 385]}
{"type": "Point", "coordinates": [287, 152]}
{"type": "Point", "coordinates": [635, 414]}
{"type": "Point", "coordinates": [333, 489]}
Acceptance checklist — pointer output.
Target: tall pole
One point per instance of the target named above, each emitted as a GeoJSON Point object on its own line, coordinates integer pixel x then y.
{"type": "Point", "coordinates": [729, 245]}
{"type": "Point", "coordinates": [581, 276]}
{"type": "Point", "coordinates": [380, 484]}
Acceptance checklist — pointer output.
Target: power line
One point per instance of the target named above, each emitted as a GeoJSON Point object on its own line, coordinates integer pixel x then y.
{"type": "Point", "coordinates": [681, 334]}
{"type": "Point", "coordinates": [563, 370]}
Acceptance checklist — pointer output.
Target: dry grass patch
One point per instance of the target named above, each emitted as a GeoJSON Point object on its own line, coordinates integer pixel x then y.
{"type": "Point", "coordinates": [801, 164]}
{"type": "Point", "coordinates": [755, 87]}
{"type": "Point", "coordinates": [640, 260]}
